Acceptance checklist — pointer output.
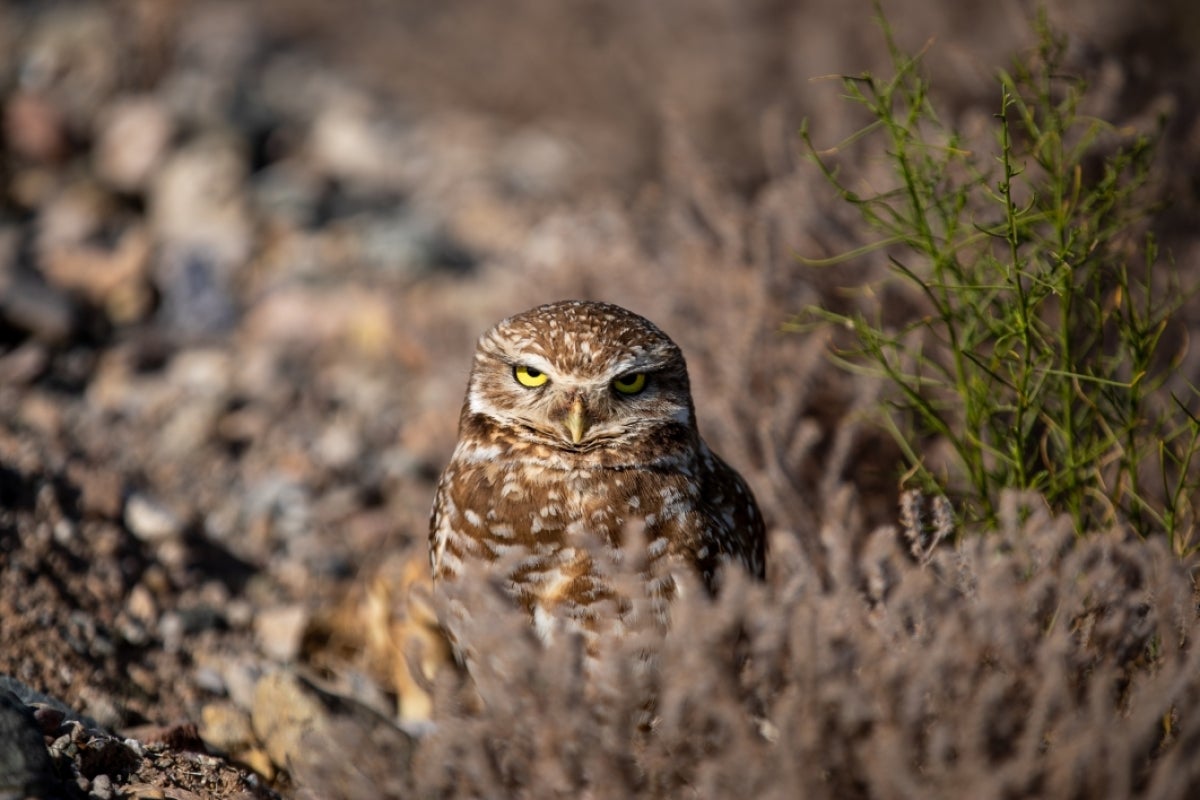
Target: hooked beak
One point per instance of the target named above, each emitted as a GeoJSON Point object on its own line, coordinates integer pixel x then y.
{"type": "Point", "coordinates": [576, 421]}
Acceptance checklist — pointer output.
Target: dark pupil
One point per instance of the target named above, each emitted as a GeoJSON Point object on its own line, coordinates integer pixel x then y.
{"type": "Point", "coordinates": [628, 380]}
{"type": "Point", "coordinates": [533, 373]}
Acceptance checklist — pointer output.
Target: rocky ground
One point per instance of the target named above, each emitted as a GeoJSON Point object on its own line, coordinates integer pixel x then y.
{"type": "Point", "coordinates": [245, 250]}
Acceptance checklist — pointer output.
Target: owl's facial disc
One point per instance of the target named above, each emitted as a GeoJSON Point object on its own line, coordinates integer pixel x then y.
{"type": "Point", "coordinates": [602, 387]}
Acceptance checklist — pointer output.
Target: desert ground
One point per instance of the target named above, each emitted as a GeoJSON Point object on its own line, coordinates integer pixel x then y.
{"type": "Point", "coordinates": [245, 253]}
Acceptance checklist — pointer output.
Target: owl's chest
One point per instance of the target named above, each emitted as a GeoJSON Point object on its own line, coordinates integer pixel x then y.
{"type": "Point", "coordinates": [528, 507]}
{"type": "Point", "coordinates": [550, 503]}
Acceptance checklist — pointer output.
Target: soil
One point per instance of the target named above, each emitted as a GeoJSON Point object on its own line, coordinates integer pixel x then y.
{"type": "Point", "coordinates": [245, 250]}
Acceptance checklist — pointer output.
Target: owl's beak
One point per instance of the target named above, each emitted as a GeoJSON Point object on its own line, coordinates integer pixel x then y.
{"type": "Point", "coordinates": [577, 422]}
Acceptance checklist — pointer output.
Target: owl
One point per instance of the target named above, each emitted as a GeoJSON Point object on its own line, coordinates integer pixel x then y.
{"type": "Point", "coordinates": [579, 423]}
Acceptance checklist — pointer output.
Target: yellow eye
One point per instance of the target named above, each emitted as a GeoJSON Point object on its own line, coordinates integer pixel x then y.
{"type": "Point", "coordinates": [528, 376]}
{"type": "Point", "coordinates": [632, 383]}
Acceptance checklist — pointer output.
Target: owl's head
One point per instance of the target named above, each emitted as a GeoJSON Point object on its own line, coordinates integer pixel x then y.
{"type": "Point", "coordinates": [580, 376]}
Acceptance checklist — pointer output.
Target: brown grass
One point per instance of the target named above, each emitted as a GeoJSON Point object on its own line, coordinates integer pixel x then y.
{"type": "Point", "coordinates": [1027, 664]}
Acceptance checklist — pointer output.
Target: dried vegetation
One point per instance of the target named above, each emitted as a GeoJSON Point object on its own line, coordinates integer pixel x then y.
{"type": "Point", "coordinates": [211, 430]}
{"type": "Point", "coordinates": [1027, 663]}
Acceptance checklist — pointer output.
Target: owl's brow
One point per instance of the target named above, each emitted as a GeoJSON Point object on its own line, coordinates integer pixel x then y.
{"type": "Point", "coordinates": [526, 360]}
{"type": "Point", "coordinates": [642, 362]}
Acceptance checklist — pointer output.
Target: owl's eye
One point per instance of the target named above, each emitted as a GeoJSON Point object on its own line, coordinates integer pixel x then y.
{"type": "Point", "coordinates": [632, 383]}
{"type": "Point", "coordinates": [528, 376]}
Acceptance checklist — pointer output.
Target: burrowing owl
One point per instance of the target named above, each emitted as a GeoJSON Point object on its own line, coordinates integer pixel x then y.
{"type": "Point", "coordinates": [578, 421]}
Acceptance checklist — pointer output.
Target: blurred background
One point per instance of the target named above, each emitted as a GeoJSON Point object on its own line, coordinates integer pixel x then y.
{"type": "Point", "coordinates": [246, 248]}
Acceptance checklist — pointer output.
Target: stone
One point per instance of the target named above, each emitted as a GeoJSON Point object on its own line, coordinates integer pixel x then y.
{"type": "Point", "coordinates": [133, 139]}
{"type": "Point", "coordinates": [149, 520]}
{"type": "Point", "coordinates": [24, 760]}
{"type": "Point", "coordinates": [280, 631]}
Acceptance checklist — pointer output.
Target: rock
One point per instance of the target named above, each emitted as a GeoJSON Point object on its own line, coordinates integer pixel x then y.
{"type": "Point", "coordinates": [200, 215]}
{"type": "Point", "coordinates": [34, 128]}
{"type": "Point", "coordinates": [280, 631]}
{"type": "Point", "coordinates": [349, 143]}
{"type": "Point", "coordinates": [287, 192]}
{"type": "Point", "coordinates": [23, 364]}
{"type": "Point", "coordinates": [339, 446]}
{"type": "Point", "coordinates": [203, 371]}
{"type": "Point", "coordinates": [27, 303]}
{"type": "Point", "coordinates": [197, 290]}
{"type": "Point", "coordinates": [133, 137]}
{"type": "Point", "coordinates": [283, 710]}
{"type": "Point", "coordinates": [102, 788]}
{"type": "Point", "coordinates": [227, 729]}
{"type": "Point", "coordinates": [40, 412]}
{"type": "Point", "coordinates": [100, 490]}
{"type": "Point", "coordinates": [238, 676]}
{"type": "Point", "coordinates": [332, 746]}
{"type": "Point", "coordinates": [149, 520]}
{"type": "Point", "coordinates": [191, 425]}
{"type": "Point", "coordinates": [198, 200]}
{"type": "Point", "coordinates": [141, 605]}
{"type": "Point", "coordinates": [113, 279]}
{"type": "Point", "coordinates": [24, 760]}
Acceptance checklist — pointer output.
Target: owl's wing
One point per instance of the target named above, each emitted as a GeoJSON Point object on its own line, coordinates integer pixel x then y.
{"type": "Point", "coordinates": [736, 525]}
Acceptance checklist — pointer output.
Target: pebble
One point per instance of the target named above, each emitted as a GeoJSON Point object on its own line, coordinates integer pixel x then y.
{"type": "Point", "coordinates": [283, 710]}
{"type": "Point", "coordinates": [347, 141]}
{"type": "Point", "coordinates": [29, 304]}
{"type": "Point", "coordinates": [287, 192]}
{"type": "Point", "coordinates": [197, 289]}
{"type": "Point", "coordinates": [198, 200]}
{"type": "Point", "coordinates": [241, 676]}
{"type": "Point", "coordinates": [23, 364]}
{"type": "Point", "coordinates": [113, 278]}
{"type": "Point", "coordinates": [201, 217]}
{"type": "Point", "coordinates": [146, 793]}
{"type": "Point", "coordinates": [339, 445]}
{"type": "Point", "coordinates": [280, 631]}
{"type": "Point", "coordinates": [227, 728]}
{"type": "Point", "coordinates": [102, 788]}
{"type": "Point", "coordinates": [141, 605]}
{"type": "Point", "coordinates": [33, 128]}
{"type": "Point", "coordinates": [100, 489]}
{"type": "Point", "coordinates": [64, 532]}
{"type": "Point", "coordinates": [75, 214]}
{"type": "Point", "coordinates": [328, 744]}
{"type": "Point", "coordinates": [201, 370]}
{"type": "Point", "coordinates": [149, 520]}
{"type": "Point", "coordinates": [191, 425]}
{"type": "Point", "coordinates": [134, 134]}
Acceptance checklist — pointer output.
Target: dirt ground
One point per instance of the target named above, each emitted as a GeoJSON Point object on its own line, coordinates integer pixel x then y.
{"type": "Point", "coordinates": [245, 250]}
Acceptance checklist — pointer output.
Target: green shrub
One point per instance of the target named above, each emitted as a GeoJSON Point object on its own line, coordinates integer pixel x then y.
{"type": "Point", "coordinates": [1039, 353]}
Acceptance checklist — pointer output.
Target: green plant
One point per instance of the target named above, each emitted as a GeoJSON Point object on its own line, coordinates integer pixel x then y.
{"type": "Point", "coordinates": [1039, 355]}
